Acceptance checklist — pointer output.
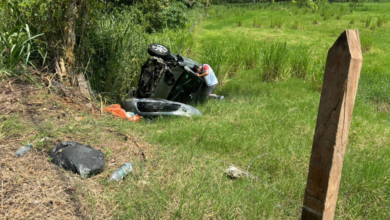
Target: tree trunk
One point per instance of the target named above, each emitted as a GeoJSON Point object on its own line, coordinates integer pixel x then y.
{"type": "Point", "coordinates": [69, 40]}
{"type": "Point", "coordinates": [254, 2]}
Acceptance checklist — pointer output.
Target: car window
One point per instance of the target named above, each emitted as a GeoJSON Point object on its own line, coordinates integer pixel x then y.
{"type": "Point", "coordinates": [186, 88]}
{"type": "Point", "coordinates": [157, 107]}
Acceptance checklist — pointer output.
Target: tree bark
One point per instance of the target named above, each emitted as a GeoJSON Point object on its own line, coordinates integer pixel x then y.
{"type": "Point", "coordinates": [69, 40]}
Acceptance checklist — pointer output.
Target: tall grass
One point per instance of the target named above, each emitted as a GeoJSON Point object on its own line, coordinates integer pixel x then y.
{"type": "Point", "coordinates": [118, 49]}
{"type": "Point", "coordinates": [19, 46]}
{"type": "Point", "coordinates": [366, 42]}
{"type": "Point", "coordinates": [368, 21]}
{"type": "Point", "coordinates": [257, 23]}
{"type": "Point", "coordinates": [274, 59]}
{"type": "Point", "coordinates": [276, 23]}
{"type": "Point", "coordinates": [382, 20]}
{"type": "Point", "coordinates": [296, 24]}
{"type": "Point", "coordinates": [228, 57]}
{"type": "Point", "coordinates": [317, 72]}
{"type": "Point", "coordinates": [300, 62]}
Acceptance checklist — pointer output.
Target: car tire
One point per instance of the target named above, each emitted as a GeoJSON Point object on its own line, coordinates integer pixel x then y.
{"type": "Point", "coordinates": [159, 50]}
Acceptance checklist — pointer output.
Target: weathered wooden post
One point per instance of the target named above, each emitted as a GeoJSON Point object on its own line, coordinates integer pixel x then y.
{"type": "Point", "coordinates": [338, 94]}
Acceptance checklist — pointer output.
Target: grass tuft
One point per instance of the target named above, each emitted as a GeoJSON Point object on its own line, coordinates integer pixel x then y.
{"type": "Point", "coordinates": [368, 21]}
{"type": "Point", "coordinates": [353, 20]}
{"type": "Point", "coordinates": [366, 43]}
{"type": "Point", "coordinates": [300, 61]}
{"type": "Point", "coordinates": [274, 61]}
{"type": "Point", "coordinates": [257, 23]}
{"type": "Point", "coordinates": [276, 23]}
{"type": "Point", "coordinates": [296, 24]}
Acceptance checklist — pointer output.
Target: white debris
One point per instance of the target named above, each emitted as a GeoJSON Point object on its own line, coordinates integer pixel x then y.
{"type": "Point", "coordinates": [234, 172]}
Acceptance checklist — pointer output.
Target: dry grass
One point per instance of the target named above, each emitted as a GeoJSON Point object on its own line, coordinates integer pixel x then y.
{"type": "Point", "coordinates": [31, 186]}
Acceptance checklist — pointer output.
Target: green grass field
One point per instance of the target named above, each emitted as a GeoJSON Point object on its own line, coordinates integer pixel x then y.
{"type": "Point", "coordinates": [265, 127]}
{"type": "Point", "coordinates": [269, 126]}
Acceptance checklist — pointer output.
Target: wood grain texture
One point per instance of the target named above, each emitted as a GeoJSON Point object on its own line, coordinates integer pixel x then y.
{"type": "Point", "coordinates": [338, 94]}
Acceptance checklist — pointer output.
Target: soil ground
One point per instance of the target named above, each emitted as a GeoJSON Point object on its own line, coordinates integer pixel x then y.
{"type": "Point", "coordinates": [34, 188]}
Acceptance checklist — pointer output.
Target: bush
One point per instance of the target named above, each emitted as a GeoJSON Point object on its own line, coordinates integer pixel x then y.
{"type": "Point", "coordinates": [175, 15]}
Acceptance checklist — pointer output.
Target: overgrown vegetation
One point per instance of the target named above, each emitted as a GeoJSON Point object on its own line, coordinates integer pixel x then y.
{"type": "Point", "coordinates": [270, 77]}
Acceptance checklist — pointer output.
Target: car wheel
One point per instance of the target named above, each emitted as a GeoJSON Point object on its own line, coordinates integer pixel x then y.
{"type": "Point", "coordinates": [159, 50]}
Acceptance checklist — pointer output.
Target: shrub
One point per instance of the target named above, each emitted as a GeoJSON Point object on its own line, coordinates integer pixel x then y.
{"type": "Point", "coordinates": [239, 23]}
{"type": "Point", "coordinates": [274, 61]}
{"type": "Point", "coordinates": [175, 15]}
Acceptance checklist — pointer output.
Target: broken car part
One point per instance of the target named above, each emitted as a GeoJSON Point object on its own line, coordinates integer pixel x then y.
{"type": "Point", "coordinates": [159, 107]}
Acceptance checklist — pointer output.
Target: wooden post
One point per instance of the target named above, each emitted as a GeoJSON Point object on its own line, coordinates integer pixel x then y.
{"type": "Point", "coordinates": [338, 94]}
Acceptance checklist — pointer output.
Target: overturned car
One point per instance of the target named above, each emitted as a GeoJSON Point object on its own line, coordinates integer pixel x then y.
{"type": "Point", "coordinates": [168, 76]}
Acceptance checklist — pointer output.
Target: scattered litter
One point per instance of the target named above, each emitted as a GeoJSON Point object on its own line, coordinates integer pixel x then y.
{"type": "Point", "coordinates": [142, 182]}
{"type": "Point", "coordinates": [78, 118]}
{"type": "Point", "coordinates": [23, 150]}
{"type": "Point", "coordinates": [44, 139]}
{"type": "Point", "coordinates": [79, 158]}
{"type": "Point", "coordinates": [214, 96]}
{"type": "Point", "coordinates": [116, 110]}
{"type": "Point", "coordinates": [129, 114]}
{"type": "Point", "coordinates": [135, 118]}
{"type": "Point", "coordinates": [121, 172]}
{"type": "Point", "coordinates": [233, 172]}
